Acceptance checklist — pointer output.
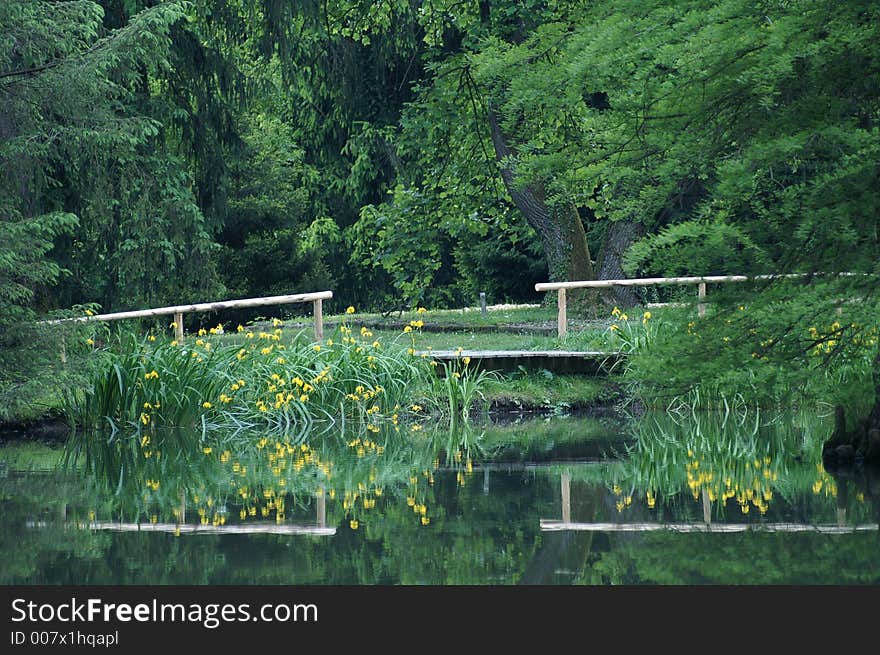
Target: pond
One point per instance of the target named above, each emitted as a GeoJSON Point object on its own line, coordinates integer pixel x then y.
{"type": "Point", "coordinates": [663, 499]}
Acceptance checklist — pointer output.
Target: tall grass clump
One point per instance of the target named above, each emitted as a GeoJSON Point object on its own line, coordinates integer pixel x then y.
{"type": "Point", "coordinates": [459, 389]}
{"type": "Point", "coordinates": [216, 383]}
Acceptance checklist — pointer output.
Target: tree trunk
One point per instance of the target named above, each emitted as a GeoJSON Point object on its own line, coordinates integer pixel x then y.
{"type": "Point", "coordinates": [619, 236]}
{"type": "Point", "coordinates": [559, 228]}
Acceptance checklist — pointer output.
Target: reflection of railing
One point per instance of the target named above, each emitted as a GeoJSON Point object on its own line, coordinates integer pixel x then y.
{"type": "Point", "coordinates": [706, 525]}
{"type": "Point", "coordinates": [701, 281]}
{"type": "Point", "coordinates": [262, 527]}
{"type": "Point", "coordinates": [318, 528]}
{"type": "Point", "coordinates": [178, 311]}
{"type": "Point", "coordinates": [549, 525]}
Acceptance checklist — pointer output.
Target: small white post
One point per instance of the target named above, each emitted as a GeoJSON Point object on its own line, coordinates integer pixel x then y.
{"type": "Point", "coordinates": [319, 319]}
{"type": "Point", "coordinates": [483, 302]}
{"type": "Point", "coordinates": [561, 319]}
{"type": "Point", "coordinates": [707, 508]}
{"type": "Point", "coordinates": [701, 297]}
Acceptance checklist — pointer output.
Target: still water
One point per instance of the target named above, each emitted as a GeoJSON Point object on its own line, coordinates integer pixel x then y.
{"type": "Point", "coordinates": [706, 499]}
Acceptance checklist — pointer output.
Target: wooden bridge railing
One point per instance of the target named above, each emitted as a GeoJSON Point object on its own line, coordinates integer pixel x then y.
{"type": "Point", "coordinates": [701, 282]}
{"type": "Point", "coordinates": [178, 311]}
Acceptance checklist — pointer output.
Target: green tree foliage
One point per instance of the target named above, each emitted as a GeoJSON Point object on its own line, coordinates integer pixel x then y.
{"type": "Point", "coordinates": [756, 152]}
{"type": "Point", "coordinates": [266, 241]}
{"type": "Point", "coordinates": [84, 190]}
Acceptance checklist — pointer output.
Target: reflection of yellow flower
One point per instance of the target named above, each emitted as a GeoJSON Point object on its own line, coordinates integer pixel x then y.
{"type": "Point", "coordinates": [354, 524]}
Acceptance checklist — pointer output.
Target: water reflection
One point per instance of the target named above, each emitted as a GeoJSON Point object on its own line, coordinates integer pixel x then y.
{"type": "Point", "coordinates": [688, 500]}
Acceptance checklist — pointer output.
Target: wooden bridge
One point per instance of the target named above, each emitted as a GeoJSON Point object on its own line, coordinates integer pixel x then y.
{"type": "Point", "coordinates": [558, 361]}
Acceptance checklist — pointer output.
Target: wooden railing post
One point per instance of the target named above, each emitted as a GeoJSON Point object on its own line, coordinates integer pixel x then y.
{"type": "Point", "coordinates": [701, 297]}
{"type": "Point", "coordinates": [561, 318]}
{"type": "Point", "coordinates": [319, 320]}
{"type": "Point", "coordinates": [178, 326]}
